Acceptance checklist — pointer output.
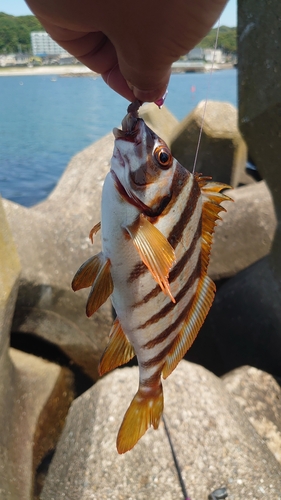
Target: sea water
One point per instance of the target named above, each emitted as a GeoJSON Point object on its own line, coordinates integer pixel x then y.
{"type": "Point", "coordinates": [45, 120]}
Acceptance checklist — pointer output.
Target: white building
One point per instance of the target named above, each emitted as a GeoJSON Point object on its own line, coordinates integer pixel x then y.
{"type": "Point", "coordinates": [42, 44]}
{"type": "Point", "coordinates": [215, 56]}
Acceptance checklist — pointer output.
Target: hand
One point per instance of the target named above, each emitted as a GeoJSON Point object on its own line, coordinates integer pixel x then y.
{"type": "Point", "coordinates": [131, 44]}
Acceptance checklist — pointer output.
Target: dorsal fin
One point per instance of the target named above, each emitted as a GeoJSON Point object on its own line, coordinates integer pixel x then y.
{"type": "Point", "coordinates": [211, 207]}
{"type": "Point", "coordinates": [118, 351]}
{"type": "Point", "coordinates": [204, 295]}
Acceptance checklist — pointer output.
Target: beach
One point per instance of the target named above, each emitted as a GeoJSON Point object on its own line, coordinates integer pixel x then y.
{"type": "Point", "coordinates": [65, 70]}
{"type": "Point", "coordinates": [81, 70]}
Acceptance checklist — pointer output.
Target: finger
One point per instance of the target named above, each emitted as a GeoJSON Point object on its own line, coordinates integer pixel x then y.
{"type": "Point", "coordinates": [116, 81]}
{"type": "Point", "coordinates": [93, 48]}
{"type": "Point", "coordinates": [96, 51]}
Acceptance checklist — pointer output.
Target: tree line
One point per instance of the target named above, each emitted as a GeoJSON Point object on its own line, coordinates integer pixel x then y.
{"type": "Point", "coordinates": [227, 40]}
{"type": "Point", "coordinates": [15, 35]}
{"type": "Point", "coordinates": [15, 32]}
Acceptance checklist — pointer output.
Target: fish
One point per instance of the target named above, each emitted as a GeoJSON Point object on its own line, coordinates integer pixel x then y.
{"type": "Point", "coordinates": [157, 225]}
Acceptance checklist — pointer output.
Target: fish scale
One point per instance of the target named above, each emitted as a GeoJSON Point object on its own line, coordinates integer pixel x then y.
{"type": "Point", "coordinates": [157, 225]}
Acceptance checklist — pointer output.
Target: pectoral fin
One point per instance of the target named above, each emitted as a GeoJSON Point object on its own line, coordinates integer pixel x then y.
{"type": "Point", "coordinates": [102, 288]}
{"type": "Point", "coordinates": [155, 251]}
{"type": "Point", "coordinates": [118, 351]}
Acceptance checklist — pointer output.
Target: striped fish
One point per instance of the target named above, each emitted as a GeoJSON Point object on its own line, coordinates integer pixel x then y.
{"type": "Point", "coordinates": [157, 225]}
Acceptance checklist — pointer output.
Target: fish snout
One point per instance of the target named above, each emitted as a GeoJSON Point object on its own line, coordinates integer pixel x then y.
{"type": "Point", "coordinates": [129, 123]}
{"type": "Point", "coordinates": [131, 119]}
{"type": "Point", "coordinates": [118, 156]}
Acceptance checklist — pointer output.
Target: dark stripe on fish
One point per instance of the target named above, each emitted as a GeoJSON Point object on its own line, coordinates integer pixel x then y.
{"type": "Point", "coordinates": [177, 231]}
{"type": "Point", "coordinates": [154, 380]}
{"type": "Point", "coordinates": [160, 356]}
{"type": "Point", "coordinates": [180, 180]}
{"type": "Point", "coordinates": [126, 196]}
{"type": "Point", "coordinates": [147, 173]}
{"type": "Point", "coordinates": [171, 328]}
{"type": "Point", "coordinates": [178, 268]}
{"type": "Point", "coordinates": [139, 269]}
{"type": "Point", "coordinates": [168, 307]}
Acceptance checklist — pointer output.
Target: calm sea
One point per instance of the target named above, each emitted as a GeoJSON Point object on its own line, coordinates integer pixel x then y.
{"type": "Point", "coordinates": [45, 120]}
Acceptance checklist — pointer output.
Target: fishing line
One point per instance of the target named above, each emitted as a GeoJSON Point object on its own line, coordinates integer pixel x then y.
{"type": "Point", "coordinates": [177, 465]}
{"type": "Point", "coordinates": [176, 462]}
{"type": "Point", "coordinates": [207, 98]}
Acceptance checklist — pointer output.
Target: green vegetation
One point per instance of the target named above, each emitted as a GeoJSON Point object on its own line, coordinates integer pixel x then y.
{"type": "Point", "coordinates": [15, 33]}
{"type": "Point", "coordinates": [227, 40]}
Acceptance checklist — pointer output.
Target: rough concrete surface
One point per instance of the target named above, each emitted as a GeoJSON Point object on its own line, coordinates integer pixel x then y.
{"type": "Point", "coordinates": [245, 233]}
{"type": "Point", "coordinates": [259, 395]}
{"type": "Point", "coordinates": [243, 326]}
{"type": "Point", "coordinates": [213, 440]}
{"type": "Point", "coordinates": [222, 153]}
{"type": "Point", "coordinates": [52, 242]}
{"type": "Point", "coordinates": [161, 121]}
{"type": "Point", "coordinates": [9, 280]}
{"type": "Point", "coordinates": [259, 88]}
{"type": "Point", "coordinates": [33, 416]}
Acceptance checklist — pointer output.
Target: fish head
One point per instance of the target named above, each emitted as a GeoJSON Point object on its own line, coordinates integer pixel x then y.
{"type": "Point", "coordinates": [142, 166]}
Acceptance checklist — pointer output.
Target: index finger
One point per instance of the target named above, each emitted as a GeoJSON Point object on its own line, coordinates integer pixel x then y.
{"type": "Point", "coordinates": [96, 51]}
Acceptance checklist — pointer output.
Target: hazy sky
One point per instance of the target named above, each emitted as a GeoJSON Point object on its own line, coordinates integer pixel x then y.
{"type": "Point", "coordinates": [19, 8]}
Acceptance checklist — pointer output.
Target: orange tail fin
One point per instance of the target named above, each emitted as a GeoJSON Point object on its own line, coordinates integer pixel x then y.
{"type": "Point", "coordinates": [145, 410]}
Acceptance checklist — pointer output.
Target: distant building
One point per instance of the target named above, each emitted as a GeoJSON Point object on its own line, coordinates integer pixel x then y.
{"type": "Point", "coordinates": [196, 54]}
{"type": "Point", "coordinates": [43, 45]}
{"type": "Point", "coordinates": [214, 55]}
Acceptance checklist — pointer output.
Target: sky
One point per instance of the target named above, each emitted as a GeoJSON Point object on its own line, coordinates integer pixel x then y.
{"type": "Point", "coordinates": [19, 8]}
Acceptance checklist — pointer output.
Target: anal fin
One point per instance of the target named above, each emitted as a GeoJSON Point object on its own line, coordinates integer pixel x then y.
{"type": "Point", "coordinates": [202, 302]}
{"type": "Point", "coordinates": [155, 251]}
{"type": "Point", "coordinates": [145, 410]}
{"type": "Point", "coordinates": [87, 273]}
{"type": "Point", "coordinates": [101, 289]}
{"type": "Point", "coordinates": [118, 351]}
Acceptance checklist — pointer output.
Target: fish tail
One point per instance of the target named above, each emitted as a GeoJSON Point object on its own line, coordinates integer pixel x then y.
{"type": "Point", "coordinates": [145, 410]}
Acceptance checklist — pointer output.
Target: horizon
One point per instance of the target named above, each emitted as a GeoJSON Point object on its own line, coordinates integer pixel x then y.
{"type": "Point", "coordinates": [20, 8]}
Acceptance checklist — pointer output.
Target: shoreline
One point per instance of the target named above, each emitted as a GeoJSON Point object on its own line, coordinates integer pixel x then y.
{"type": "Point", "coordinates": [78, 70]}
{"type": "Point", "coordinates": [67, 70]}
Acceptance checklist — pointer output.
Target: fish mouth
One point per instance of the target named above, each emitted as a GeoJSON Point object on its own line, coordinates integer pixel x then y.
{"type": "Point", "coordinates": [130, 124]}
{"type": "Point", "coordinates": [130, 130]}
{"type": "Point", "coordinates": [117, 155]}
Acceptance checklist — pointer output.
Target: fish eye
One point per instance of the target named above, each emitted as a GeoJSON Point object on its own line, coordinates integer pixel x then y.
{"type": "Point", "coordinates": [163, 157]}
